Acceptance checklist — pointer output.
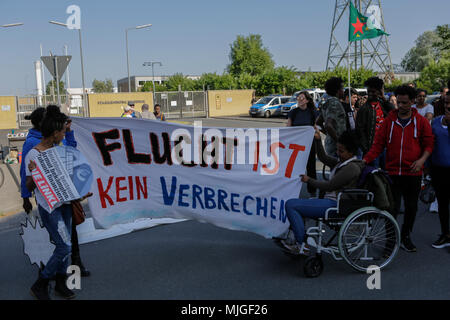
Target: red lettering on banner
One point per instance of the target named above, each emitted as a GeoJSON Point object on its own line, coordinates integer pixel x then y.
{"type": "Point", "coordinates": [273, 147]}
{"type": "Point", "coordinates": [255, 165]}
{"type": "Point", "coordinates": [119, 188]}
{"type": "Point", "coordinates": [120, 193]}
{"type": "Point", "coordinates": [130, 186]}
{"type": "Point", "coordinates": [292, 159]}
{"type": "Point", "coordinates": [140, 188]}
{"type": "Point", "coordinates": [103, 194]}
{"type": "Point", "coordinates": [44, 188]}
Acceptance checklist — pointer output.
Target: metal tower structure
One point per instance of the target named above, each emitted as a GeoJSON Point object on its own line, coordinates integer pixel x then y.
{"type": "Point", "coordinates": [371, 53]}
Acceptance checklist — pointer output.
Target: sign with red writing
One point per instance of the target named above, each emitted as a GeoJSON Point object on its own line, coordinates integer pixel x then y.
{"type": "Point", "coordinates": [236, 178]}
{"type": "Point", "coordinates": [53, 180]}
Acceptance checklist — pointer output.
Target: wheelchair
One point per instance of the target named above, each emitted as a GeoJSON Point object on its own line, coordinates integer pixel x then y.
{"type": "Point", "coordinates": [362, 235]}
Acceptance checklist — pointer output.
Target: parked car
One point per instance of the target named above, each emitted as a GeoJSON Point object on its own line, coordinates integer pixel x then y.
{"type": "Point", "coordinates": [316, 94]}
{"type": "Point", "coordinates": [268, 106]}
{"type": "Point", "coordinates": [430, 99]}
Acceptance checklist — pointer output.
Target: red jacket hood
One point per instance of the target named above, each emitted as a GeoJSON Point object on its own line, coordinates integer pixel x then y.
{"type": "Point", "coordinates": [393, 115]}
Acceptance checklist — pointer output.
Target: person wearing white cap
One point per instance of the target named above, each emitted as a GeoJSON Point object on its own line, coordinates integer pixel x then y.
{"type": "Point", "coordinates": [127, 112]}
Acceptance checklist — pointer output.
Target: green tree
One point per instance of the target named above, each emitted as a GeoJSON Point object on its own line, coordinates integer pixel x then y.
{"type": "Point", "coordinates": [423, 53]}
{"type": "Point", "coordinates": [443, 44]}
{"type": "Point", "coordinates": [390, 87]}
{"type": "Point", "coordinates": [99, 86]}
{"type": "Point", "coordinates": [247, 55]}
{"type": "Point", "coordinates": [435, 75]}
{"type": "Point", "coordinates": [208, 81]}
{"type": "Point", "coordinates": [177, 80]}
{"type": "Point", "coordinates": [247, 81]}
{"type": "Point", "coordinates": [148, 87]}
{"type": "Point", "coordinates": [51, 88]}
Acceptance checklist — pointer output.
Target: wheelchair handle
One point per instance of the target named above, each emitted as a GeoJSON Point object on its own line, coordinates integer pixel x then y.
{"type": "Point", "coordinates": [355, 191]}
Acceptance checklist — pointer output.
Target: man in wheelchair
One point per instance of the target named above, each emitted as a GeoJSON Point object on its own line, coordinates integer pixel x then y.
{"type": "Point", "coordinates": [345, 174]}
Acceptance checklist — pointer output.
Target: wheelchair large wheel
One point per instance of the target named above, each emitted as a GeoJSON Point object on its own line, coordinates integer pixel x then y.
{"type": "Point", "coordinates": [369, 237]}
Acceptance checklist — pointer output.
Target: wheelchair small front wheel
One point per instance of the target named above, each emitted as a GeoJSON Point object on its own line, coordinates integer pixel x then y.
{"type": "Point", "coordinates": [313, 267]}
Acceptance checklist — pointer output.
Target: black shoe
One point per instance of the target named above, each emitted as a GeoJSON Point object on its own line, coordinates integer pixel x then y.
{"type": "Point", "coordinates": [407, 245]}
{"type": "Point", "coordinates": [40, 289]}
{"type": "Point", "coordinates": [77, 262]}
{"type": "Point", "coordinates": [61, 287]}
{"type": "Point", "coordinates": [442, 242]}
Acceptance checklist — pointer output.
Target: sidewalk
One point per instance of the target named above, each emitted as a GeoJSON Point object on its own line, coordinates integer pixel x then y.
{"type": "Point", "coordinates": [11, 211]}
{"type": "Point", "coordinates": [10, 199]}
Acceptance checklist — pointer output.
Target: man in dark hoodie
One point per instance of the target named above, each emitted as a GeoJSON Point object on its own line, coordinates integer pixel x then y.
{"type": "Point", "coordinates": [34, 137]}
{"type": "Point", "coordinates": [408, 139]}
{"type": "Point", "coordinates": [371, 115]}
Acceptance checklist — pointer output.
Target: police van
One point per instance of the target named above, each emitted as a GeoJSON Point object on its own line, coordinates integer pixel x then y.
{"type": "Point", "coordinates": [316, 94]}
{"type": "Point", "coordinates": [268, 106]}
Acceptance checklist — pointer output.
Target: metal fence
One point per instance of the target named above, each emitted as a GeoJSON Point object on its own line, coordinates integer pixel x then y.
{"type": "Point", "coordinates": [174, 105]}
{"type": "Point", "coordinates": [70, 104]}
{"type": "Point", "coordinates": [182, 104]}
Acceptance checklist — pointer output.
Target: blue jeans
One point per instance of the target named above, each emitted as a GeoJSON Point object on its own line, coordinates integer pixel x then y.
{"type": "Point", "coordinates": [296, 209]}
{"type": "Point", "coordinates": [59, 226]}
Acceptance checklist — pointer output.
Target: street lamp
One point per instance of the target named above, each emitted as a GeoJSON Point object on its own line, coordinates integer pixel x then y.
{"type": "Point", "coordinates": [82, 64]}
{"type": "Point", "coordinates": [126, 40]}
{"type": "Point", "coordinates": [152, 63]}
{"type": "Point", "coordinates": [12, 25]}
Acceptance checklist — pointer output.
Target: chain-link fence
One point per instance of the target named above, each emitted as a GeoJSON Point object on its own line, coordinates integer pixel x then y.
{"type": "Point", "coordinates": [182, 104]}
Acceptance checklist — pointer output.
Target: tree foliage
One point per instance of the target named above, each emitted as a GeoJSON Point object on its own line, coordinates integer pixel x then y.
{"type": "Point", "coordinates": [443, 44]}
{"type": "Point", "coordinates": [281, 80]}
{"type": "Point", "coordinates": [252, 67]}
{"type": "Point", "coordinates": [248, 56]}
{"type": "Point", "coordinates": [430, 46]}
{"type": "Point", "coordinates": [423, 53]}
{"type": "Point", "coordinates": [52, 89]}
{"type": "Point", "coordinates": [435, 75]}
{"type": "Point", "coordinates": [99, 86]}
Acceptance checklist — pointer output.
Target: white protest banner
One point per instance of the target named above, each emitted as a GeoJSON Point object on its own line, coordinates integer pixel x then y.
{"type": "Point", "coordinates": [238, 179]}
{"type": "Point", "coordinates": [53, 180]}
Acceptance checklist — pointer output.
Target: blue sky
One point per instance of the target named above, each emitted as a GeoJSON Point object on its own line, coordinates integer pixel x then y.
{"type": "Point", "coordinates": [192, 37]}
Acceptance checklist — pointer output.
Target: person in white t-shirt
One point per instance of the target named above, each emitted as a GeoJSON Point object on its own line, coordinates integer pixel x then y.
{"type": "Point", "coordinates": [425, 110]}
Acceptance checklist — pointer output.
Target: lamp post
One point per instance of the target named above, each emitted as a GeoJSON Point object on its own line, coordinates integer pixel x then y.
{"type": "Point", "coordinates": [12, 25]}
{"type": "Point", "coordinates": [152, 63]}
{"type": "Point", "coordinates": [85, 113]}
{"type": "Point", "coordinates": [126, 41]}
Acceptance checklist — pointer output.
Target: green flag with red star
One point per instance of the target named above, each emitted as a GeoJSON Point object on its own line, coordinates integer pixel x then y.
{"type": "Point", "coordinates": [361, 27]}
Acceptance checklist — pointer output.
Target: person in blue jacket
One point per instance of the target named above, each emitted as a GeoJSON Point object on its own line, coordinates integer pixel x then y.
{"type": "Point", "coordinates": [34, 137]}
{"type": "Point", "coordinates": [440, 171]}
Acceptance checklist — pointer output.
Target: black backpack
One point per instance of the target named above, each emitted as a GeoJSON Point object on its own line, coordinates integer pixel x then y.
{"type": "Point", "coordinates": [378, 182]}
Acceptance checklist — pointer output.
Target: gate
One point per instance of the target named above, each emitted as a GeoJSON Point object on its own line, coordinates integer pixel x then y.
{"type": "Point", "coordinates": [27, 104]}
{"type": "Point", "coordinates": [182, 104]}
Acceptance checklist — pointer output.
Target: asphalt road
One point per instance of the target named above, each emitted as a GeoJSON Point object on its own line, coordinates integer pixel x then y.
{"type": "Point", "coordinates": [190, 260]}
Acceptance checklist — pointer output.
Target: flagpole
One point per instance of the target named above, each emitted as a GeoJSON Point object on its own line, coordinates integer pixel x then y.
{"type": "Point", "coordinates": [348, 59]}
{"type": "Point", "coordinates": [349, 82]}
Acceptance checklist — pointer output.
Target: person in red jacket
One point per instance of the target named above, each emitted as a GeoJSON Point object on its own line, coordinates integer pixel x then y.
{"type": "Point", "coordinates": [408, 139]}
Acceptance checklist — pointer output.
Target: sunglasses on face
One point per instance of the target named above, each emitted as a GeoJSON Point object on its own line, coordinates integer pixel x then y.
{"type": "Point", "coordinates": [421, 96]}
